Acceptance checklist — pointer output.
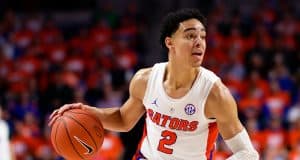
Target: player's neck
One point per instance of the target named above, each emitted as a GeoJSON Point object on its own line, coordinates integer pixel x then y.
{"type": "Point", "coordinates": [179, 77]}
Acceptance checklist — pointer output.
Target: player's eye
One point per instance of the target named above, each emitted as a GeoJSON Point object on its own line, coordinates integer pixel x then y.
{"type": "Point", "coordinates": [191, 36]}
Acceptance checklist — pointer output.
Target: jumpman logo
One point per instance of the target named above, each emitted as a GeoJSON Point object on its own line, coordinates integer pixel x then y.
{"type": "Point", "coordinates": [155, 102]}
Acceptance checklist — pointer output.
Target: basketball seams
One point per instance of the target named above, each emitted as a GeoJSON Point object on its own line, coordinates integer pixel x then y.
{"type": "Point", "coordinates": [71, 117]}
{"type": "Point", "coordinates": [88, 114]}
{"type": "Point", "coordinates": [74, 148]}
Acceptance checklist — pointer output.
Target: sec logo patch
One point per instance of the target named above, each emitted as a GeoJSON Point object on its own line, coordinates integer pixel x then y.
{"type": "Point", "coordinates": [190, 109]}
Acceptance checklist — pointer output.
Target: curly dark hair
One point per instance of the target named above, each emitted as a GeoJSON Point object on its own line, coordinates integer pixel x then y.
{"type": "Point", "coordinates": [171, 22]}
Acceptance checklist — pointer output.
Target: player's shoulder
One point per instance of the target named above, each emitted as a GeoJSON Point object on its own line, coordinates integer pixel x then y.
{"type": "Point", "coordinates": [142, 75]}
{"type": "Point", "coordinates": [219, 92]}
{"type": "Point", "coordinates": [208, 74]}
{"type": "Point", "coordinates": [139, 82]}
{"type": "Point", "coordinates": [143, 72]}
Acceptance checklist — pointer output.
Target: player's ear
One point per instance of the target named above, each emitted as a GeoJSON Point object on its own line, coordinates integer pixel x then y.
{"type": "Point", "coordinates": [168, 42]}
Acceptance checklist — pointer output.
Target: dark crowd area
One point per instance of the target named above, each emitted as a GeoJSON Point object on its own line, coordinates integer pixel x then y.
{"type": "Point", "coordinates": [53, 54]}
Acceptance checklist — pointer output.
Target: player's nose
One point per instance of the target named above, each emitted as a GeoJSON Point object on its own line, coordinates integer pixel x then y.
{"type": "Point", "coordinates": [197, 42]}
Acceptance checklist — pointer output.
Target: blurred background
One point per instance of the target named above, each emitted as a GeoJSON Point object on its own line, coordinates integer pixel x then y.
{"type": "Point", "coordinates": [54, 52]}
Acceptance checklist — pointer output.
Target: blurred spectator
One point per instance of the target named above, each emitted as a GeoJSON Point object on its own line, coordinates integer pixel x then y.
{"type": "Point", "coordinates": [275, 141]}
{"type": "Point", "coordinates": [112, 147]}
{"type": "Point", "coordinates": [44, 150]}
{"type": "Point", "coordinates": [275, 153]}
{"type": "Point", "coordinates": [294, 134]}
{"type": "Point", "coordinates": [256, 135]}
{"type": "Point", "coordinates": [274, 135]}
{"type": "Point", "coordinates": [295, 152]}
{"type": "Point", "coordinates": [277, 101]}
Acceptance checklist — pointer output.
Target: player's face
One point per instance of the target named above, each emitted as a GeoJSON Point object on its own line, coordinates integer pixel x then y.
{"type": "Point", "coordinates": [188, 43]}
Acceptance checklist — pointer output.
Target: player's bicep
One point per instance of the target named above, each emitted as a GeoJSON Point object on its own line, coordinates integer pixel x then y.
{"type": "Point", "coordinates": [223, 107]}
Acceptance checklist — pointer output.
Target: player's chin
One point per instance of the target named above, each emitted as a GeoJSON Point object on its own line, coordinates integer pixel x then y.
{"type": "Point", "coordinates": [196, 63]}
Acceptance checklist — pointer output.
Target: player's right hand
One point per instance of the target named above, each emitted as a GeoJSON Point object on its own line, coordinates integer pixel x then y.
{"type": "Point", "coordinates": [59, 112]}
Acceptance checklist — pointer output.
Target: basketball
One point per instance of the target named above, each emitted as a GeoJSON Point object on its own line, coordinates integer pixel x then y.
{"type": "Point", "coordinates": [77, 135]}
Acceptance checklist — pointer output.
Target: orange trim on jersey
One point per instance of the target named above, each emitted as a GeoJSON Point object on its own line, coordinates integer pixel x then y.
{"type": "Point", "coordinates": [211, 139]}
{"type": "Point", "coordinates": [137, 153]}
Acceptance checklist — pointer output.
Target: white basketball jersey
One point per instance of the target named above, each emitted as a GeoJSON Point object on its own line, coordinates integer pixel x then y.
{"type": "Point", "coordinates": [4, 141]}
{"type": "Point", "coordinates": [177, 129]}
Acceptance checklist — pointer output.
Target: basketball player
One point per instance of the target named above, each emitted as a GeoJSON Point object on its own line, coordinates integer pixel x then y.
{"type": "Point", "coordinates": [5, 153]}
{"type": "Point", "coordinates": [186, 105]}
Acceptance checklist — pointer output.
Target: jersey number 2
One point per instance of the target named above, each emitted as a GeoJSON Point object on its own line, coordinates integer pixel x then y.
{"type": "Point", "coordinates": [168, 138]}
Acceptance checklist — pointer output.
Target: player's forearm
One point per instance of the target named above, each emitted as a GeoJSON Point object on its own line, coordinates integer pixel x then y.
{"type": "Point", "coordinates": [111, 119]}
{"type": "Point", "coordinates": [242, 147]}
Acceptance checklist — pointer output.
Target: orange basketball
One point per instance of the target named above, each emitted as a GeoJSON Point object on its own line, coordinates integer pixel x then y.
{"type": "Point", "coordinates": [77, 135]}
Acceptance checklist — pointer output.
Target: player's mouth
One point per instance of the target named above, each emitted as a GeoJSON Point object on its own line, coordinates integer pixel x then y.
{"type": "Point", "coordinates": [197, 53]}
